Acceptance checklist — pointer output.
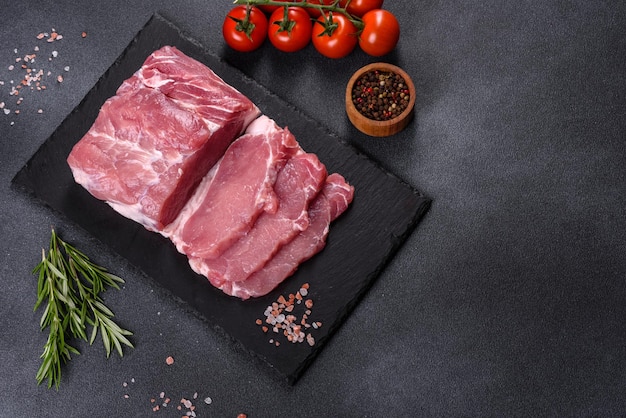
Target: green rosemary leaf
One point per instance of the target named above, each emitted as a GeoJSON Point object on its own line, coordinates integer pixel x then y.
{"type": "Point", "coordinates": [118, 346]}
{"type": "Point", "coordinates": [45, 317]}
{"type": "Point", "coordinates": [101, 307]}
{"type": "Point", "coordinates": [94, 333]}
{"type": "Point", "coordinates": [122, 339]}
{"type": "Point", "coordinates": [104, 333]}
{"type": "Point", "coordinates": [77, 325]}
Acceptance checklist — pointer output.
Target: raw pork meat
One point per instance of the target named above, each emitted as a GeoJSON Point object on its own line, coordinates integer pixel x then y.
{"type": "Point", "coordinates": [296, 185]}
{"type": "Point", "coordinates": [193, 86]}
{"type": "Point", "coordinates": [333, 200]}
{"type": "Point", "coordinates": [236, 191]}
{"type": "Point", "coordinates": [154, 141]}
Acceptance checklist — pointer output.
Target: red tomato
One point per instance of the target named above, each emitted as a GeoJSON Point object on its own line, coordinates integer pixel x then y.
{"type": "Point", "coordinates": [244, 28]}
{"type": "Point", "coordinates": [360, 7]}
{"type": "Point", "coordinates": [380, 33]}
{"type": "Point", "coordinates": [314, 11]}
{"type": "Point", "coordinates": [334, 35]}
{"type": "Point", "coordinates": [290, 34]}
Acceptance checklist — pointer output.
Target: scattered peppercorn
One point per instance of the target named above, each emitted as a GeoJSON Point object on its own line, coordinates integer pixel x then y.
{"type": "Point", "coordinates": [380, 95]}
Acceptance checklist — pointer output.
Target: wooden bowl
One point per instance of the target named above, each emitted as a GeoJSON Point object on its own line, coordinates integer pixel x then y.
{"type": "Point", "coordinates": [380, 128]}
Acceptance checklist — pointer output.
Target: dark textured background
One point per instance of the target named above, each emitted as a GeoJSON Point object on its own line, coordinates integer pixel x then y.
{"type": "Point", "coordinates": [508, 299]}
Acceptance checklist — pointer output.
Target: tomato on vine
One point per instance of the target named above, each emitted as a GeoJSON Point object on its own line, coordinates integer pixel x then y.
{"type": "Point", "coordinates": [360, 7]}
{"type": "Point", "coordinates": [290, 29]}
{"type": "Point", "coordinates": [334, 35]}
{"type": "Point", "coordinates": [380, 33]}
{"type": "Point", "coordinates": [245, 28]}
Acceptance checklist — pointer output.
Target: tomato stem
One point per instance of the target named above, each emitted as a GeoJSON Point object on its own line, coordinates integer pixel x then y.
{"type": "Point", "coordinates": [244, 25]}
{"type": "Point", "coordinates": [286, 24]}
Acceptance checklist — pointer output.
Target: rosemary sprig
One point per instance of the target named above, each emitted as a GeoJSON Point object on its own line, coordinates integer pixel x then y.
{"type": "Point", "coordinates": [71, 285]}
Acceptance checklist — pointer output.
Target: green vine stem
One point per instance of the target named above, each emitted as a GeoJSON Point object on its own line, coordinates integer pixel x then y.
{"type": "Point", "coordinates": [334, 7]}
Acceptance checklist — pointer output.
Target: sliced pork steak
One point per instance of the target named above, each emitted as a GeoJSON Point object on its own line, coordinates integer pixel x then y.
{"type": "Point", "coordinates": [331, 202]}
{"type": "Point", "coordinates": [151, 145]}
{"type": "Point", "coordinates": [237, 190]}
{"type": "Point", "coordinates": [296, 186]}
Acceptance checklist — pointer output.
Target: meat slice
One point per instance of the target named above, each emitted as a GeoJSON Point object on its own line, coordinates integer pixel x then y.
{"type": "Point", "coordinates": [297, 184]}
{"type": "Point", "coordinates": [147, 151]}
{"type": "Point", "coordinates": [236, 191]}
{"type": "Point", "coordinates": [332, 201]}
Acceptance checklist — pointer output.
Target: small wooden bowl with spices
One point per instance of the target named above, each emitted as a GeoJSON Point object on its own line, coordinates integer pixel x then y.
{"type": "Point", "coordinates": [380, 98]}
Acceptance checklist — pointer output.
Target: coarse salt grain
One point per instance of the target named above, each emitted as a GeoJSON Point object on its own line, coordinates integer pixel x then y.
{"type": "Point", "coordinates": [169, 361]}
{"type": "Point", "coordinates": [289, 325]}
{"type": "Point", "coordinates": [208, 400]}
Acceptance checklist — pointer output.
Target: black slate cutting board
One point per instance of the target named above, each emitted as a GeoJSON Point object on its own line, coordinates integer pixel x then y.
{"type": "Point", "coordinates": [383, 213]}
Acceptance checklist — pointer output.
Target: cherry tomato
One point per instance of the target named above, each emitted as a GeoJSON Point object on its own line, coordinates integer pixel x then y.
{"type": "Point", "coordinates": [316, 12]}
{"type": "Point", "coordinates": [360, 7]}
{"type": "Point", "coordinates": [245, 28]}
{"type": "Point", "coordinates": [380, 33]}
{"type": "Point", "coordinates": [290, 33]}
{"type": "Point", "coordinates": [334, 35]}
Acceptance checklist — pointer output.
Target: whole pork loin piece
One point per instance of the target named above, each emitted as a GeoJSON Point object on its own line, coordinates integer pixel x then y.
{"type": "Point", "coordinates": [152, 144]}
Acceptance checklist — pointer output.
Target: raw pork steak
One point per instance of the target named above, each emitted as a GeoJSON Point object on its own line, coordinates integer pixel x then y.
{"type": "Point", "coordinates": [154, 141]}
{"type": "Point", "coordinates": [332, 201]}
{"type": "Point", "coordinates": [235, 192]}
{"type": "Point", "coordinates": [296, 185]}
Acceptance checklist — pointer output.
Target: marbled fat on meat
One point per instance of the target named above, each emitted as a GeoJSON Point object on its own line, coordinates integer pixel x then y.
{"type": "Point", "coordinates": [154, 141]}
{"type": "Point", "coordinates": [235, 193]}
{"type": "Point", "coordinates": [297, 184]}
{"type": "Point", "coordinates": [334, 199]}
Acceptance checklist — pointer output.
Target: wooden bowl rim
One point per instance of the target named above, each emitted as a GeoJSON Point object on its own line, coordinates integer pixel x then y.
{"type": "Point", "coordinates": [385, 67]}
